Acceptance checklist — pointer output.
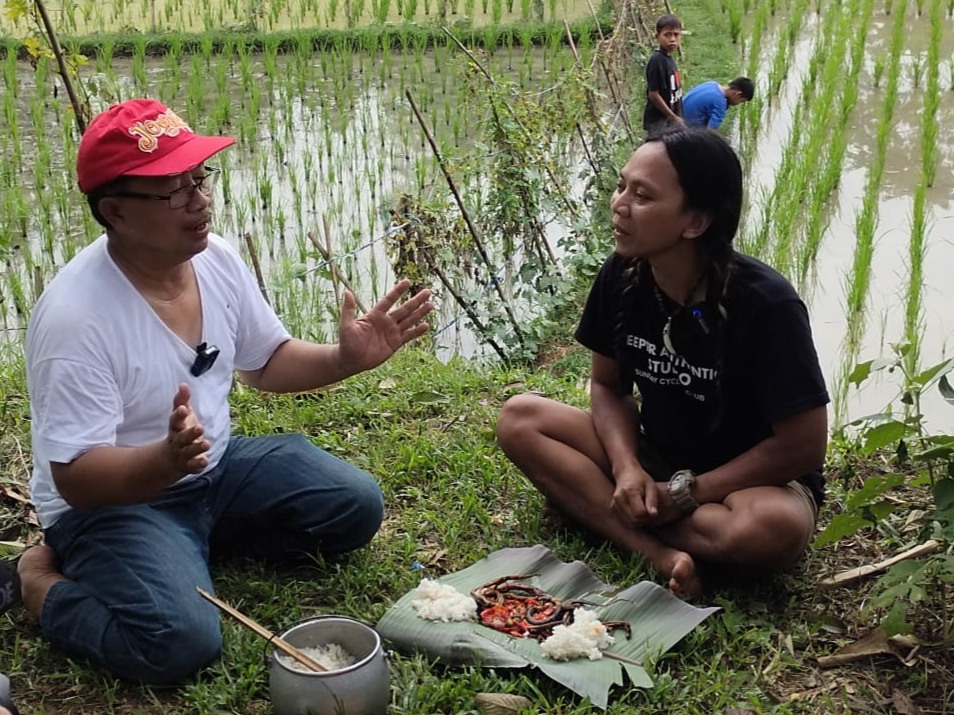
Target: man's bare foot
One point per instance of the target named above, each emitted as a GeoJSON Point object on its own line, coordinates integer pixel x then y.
{"type": "Point", "coordinates": [684, 580]}
{"type": "Point", "coordinates": [38, 571]}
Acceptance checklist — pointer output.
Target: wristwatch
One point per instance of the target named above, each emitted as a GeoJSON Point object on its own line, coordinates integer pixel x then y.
{"type": "Point", "coordinates": [680, 485]}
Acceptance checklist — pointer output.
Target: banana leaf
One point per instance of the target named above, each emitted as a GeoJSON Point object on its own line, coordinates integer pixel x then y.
{"type": "Point", "coordinates": [659, 620]}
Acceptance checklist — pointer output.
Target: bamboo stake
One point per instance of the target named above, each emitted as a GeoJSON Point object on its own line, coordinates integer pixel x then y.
{"type": "Point", "coordinates": [335, 270]}
{"type": "Point", "coordinates": [586, 150]}
{"type": "Point", "coordinates": [334, 275]}
{"type": "Point", "coordinates": [264, 633]}
{"type": "Point", "coordinates": [79, 110]}
{"type": "Point", "coordinates": [37, 281]}
{"type": "Point", "coordinates": [591, 104]}
{"type": "Point", "coordinates": [253, 256]}
{"type": "Point", "coordinates": [463, 211]}
{"type": "Point", "coordinates": [467, 309]}
{"type": "Point", "coordinates": [596, 18]}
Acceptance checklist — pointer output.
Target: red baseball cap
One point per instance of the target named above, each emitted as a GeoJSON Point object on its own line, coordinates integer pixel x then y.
{"type": "Point", "coordinates": [140, 137]}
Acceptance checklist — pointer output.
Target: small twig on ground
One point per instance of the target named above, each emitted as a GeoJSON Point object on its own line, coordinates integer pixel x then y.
{"type": "Point", "coordinates": [852, 575]}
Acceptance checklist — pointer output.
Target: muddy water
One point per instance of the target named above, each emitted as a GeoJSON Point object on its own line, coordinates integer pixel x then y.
{"type": "Point", "coordinates": [826, 287]}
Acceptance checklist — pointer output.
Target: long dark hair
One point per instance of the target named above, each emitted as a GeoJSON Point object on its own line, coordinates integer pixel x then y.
{"type": "Point", "coordinates": [710, 176]}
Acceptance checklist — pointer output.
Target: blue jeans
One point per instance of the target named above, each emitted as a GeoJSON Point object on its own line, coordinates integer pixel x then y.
{"type": "Point", "coordinates": [131, 605]}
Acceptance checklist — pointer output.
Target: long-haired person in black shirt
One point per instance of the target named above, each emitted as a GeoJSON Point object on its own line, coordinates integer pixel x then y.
{"type": "Point", "coordinates": [707, 427]}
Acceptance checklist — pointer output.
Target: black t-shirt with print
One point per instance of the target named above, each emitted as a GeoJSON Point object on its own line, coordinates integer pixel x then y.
{"type": "Point", "coordinates": [662, 75]}
{"type": "Point", "coordinates": [718, 395]}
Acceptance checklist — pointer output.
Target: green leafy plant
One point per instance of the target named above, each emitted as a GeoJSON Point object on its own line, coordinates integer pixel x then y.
{"type": "Point", "coordinates": [919, 461]}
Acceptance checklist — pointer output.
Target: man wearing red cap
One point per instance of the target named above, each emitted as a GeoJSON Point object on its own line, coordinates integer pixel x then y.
{"type": "Point", "coordinates": [131, 352]}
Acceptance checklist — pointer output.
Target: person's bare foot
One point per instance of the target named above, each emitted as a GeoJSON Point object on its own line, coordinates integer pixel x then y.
{"type": "Point", "coordinates": [684, 580]}
{"type": "Point", "coordinates": [553, 518]}
{"type": "Point", "coordinates": [38, 571]}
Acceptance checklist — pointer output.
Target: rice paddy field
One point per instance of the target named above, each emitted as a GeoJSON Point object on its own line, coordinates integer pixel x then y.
{"type": "Point", "coordinates": [850, 173]}
{"type": "Point", "coordinates": [852, 177]}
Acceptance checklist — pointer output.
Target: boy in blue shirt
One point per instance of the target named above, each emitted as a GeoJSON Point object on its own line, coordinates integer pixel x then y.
{"type": "Point", "coordinates": [663, 86]}
{"type": "Point", "coordinates": [706, 104]}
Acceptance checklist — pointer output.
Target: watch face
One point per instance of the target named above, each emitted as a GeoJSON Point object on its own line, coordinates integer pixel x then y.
{"type": "Point", "coordinates": [678, 481]}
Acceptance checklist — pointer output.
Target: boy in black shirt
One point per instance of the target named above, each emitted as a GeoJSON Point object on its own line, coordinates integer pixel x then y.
{"type": "Point", "coordinates": [663, 85]}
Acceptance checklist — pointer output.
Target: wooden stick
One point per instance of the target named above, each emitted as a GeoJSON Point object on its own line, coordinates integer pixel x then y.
{"type": "Point", "coordinates": [860, 572]}
{"type": "Point", "coordinates": [621, 658]}
{"type": "Point", "coordinates": [468, 310]}
{"type": "Point", "coordinates": [334, 274]}
{"type": "Point", "coordinates": [264, 633]}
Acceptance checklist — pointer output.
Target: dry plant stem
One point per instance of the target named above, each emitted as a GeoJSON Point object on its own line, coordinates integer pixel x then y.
{"type": "Point", "coordinates": [326, 256]}
{"type": "Point", "coordinates": [264, 633]}
{"type": "Point", "coordinates": [860, 572]}
{"type": "Point", "coordinates": [253, 256]}
{"type": "Point", "coordinates": [618, 102]}
{"type": "Point", "coordinates": [463, 211]}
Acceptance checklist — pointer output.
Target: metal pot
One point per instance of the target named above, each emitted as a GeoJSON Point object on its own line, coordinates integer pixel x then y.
{"type": "Point", "coordinates": [363, 688]}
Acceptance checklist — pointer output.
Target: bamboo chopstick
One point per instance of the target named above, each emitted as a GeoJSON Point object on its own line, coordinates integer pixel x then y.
{"type": "Point", "coordinates": [264, 633]}
{"type": "Point", "coordinates": [621, 658]}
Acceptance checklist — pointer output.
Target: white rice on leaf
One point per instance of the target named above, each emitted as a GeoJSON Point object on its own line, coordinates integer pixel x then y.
{"type": "Point", "coordinates": [586, 636]}
{"type": "Point", "coordinates": [441, 602]}
{"type": "Point", "coordinates": [331, 656]}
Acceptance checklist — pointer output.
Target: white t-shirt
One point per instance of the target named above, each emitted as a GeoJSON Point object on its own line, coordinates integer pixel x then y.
{"type": "Point", "coordinates": [103, 369]}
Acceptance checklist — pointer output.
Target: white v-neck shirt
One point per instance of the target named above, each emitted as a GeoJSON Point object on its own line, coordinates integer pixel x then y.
{"type": "Point", "coordinates": [103, 369]}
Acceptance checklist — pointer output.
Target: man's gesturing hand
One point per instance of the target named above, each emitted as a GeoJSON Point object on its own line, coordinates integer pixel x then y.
{"type": "Point", "coordinates": [368, 341]}
{"type": "Point", "coordinates": [187, 447]}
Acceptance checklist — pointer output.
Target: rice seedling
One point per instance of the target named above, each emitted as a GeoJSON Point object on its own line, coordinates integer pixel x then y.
{"type": "Point", "coordinates": [735, 19]}
{"type": "Point", "coordinates": [917, 68]}
{"type": "Point", "coordinates": [814, 226]}
{"type": "Point", "coordinates": [878, 70]}
{"type": "Point", "coordinates": [917, 250]}
{"type": "Point", "coordinates": [930, 151]}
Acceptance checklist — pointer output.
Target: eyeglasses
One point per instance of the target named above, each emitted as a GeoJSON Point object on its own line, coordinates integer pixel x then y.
{"type": "Point", "coordinates": [205, 356]}
{"type": "Point", "coordinates": [179, 198]}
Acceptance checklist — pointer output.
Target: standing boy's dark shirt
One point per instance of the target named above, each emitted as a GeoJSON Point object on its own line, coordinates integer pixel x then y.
{"type": "Point", "coordinates": [662, 75]}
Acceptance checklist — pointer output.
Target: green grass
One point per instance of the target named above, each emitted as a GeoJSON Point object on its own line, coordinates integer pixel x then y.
{"type": "Point", "coordinates": [425, 430]}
